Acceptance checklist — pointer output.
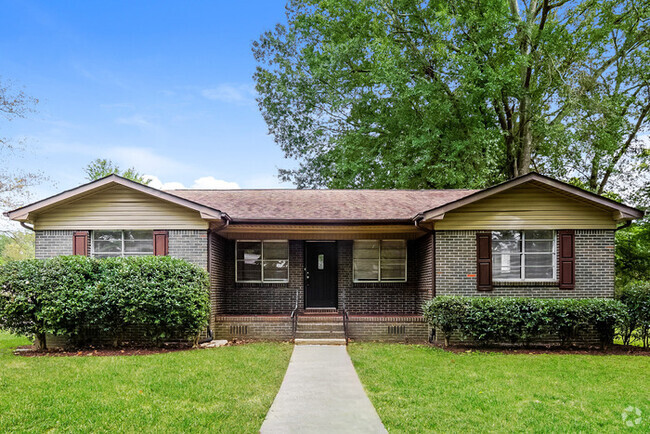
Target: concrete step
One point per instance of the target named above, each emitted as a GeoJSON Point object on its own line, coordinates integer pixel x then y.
{"type": "Point", "coordinates": [300, 341]}
{"type": "Point", "coordinates": [319, 334]}
{"type": "Point", "coordinates": [320, 326]}
{"type": "Point", "coordinates": [320, 318]}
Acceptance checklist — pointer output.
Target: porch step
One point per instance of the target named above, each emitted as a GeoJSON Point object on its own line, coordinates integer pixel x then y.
{"type": "Point", "coordinates": [300, 341]}
{"type": "Point", "coordinates": [320, 311]}
{"type": "Point", "coordinates": [335, 326]}
{"type": "Point", "coordinates": [319, 334]}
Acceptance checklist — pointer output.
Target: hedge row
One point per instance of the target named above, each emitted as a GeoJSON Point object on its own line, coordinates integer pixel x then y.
{"type": "Point", "coordinates": [636, 326]}
{"type": "Point", "coordinates": [523, 320]}
{"type": "Point", "coordinates": [160, 297]}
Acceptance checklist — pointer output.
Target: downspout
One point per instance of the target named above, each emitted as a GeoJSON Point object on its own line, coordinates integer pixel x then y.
{"type": "Point", "coordinates": [624, 225]}
{"type": "Point", "coordinates": [26, 226]}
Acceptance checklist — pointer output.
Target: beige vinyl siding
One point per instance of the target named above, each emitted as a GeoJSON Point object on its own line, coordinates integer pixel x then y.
{"type": "Point", "coordinates": [527, 207]}
{"type": "Point", "coordinates": [119, 207]}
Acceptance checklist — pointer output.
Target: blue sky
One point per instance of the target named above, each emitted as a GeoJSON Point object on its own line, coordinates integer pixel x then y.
{"type": "Point", "coordinates": [163, 86]}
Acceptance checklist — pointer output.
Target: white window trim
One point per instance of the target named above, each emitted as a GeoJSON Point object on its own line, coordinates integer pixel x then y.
{"type": "Point", "coordinates": [263, 280]}
{"type": "Point", "coordinates": [121, 254]}
{"type": "Point", "coordinates": [380, 280]}
{"type": "Point", "coordinates": [523, 261]}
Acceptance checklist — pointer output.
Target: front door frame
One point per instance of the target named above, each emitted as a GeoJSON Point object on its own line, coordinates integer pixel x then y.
{"type": "Point", "coordinates": [333, 276]}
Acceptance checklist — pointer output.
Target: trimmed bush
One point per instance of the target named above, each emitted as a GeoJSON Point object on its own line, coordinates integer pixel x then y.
{"type": "Point", "coordinates": [445, 314]}
{"type": "Point", "coordinates": [484, 320]}
{"type": "Point", "coordinates": [160, 297]}
{"type": "Point", "coordinates": [636, 298]}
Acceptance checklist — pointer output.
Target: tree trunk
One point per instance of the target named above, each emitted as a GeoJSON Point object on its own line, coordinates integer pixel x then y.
{"type": "Point", "coordinates": [40, 342]}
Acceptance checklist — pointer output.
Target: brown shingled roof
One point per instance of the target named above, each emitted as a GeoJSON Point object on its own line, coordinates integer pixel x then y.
{"type": "Point", "coordinates": [322, 205]}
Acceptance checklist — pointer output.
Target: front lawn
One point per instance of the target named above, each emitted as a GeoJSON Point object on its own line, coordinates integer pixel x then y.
{"type": "Point", "coordinates": [226, 389]}
{"type": "Point", "coordinates": [420, 388]}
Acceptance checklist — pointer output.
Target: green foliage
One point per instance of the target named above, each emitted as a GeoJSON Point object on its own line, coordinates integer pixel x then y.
{"type": "Point", "coordinates": [22, 292]}
{"type": "Point", "coordinates": [636, 298]}
{"type": "Point", "coordinates": [633, 253]}
{"type": "Point", "coordinates": [505, 319]}
{"type": "Point", "coordinates": [16, 245]}
{"type": "Point", "coordinates": [161, 297]}
{"type": "Point", "coordinates": [100, 168]}
{"type": "Point", "coordinates": [439, 94]}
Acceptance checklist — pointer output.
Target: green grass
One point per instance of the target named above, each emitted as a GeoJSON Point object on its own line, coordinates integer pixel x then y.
{"type": "Point", "coordinates": [420, 388]}
{"type": "Point", "coordinates": [226, 389]}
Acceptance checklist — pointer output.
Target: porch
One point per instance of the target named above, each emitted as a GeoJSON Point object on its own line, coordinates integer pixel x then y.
{"type": "Point", "coordinates": [322, 294]}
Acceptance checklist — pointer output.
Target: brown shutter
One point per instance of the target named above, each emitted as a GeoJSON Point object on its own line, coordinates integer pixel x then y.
{"type": "Point", "coordinates": [80, 243]}
{"type": "Point", "coordinates": [566, 259]}
{"type": "Point", "coordinates": [160, 243]}
{"type": "Point", "coordinates": [484, 261]}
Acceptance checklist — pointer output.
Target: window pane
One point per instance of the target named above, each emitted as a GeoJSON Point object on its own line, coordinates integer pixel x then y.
{"type": "Point", "coordinates": [393, 249]}
{"type": "Point", "coordinates": [538, 272]}
{"type": "Point", "coordinates": [393, 269]}
{"type": "Point", "coordinates": [506, 242]}
{"type": "Point", "coordinates": [249, 251]}
{"type": "Point", "coordinates": [276, 250]}
{"type": "Point", "coordinates": [506, 266]}
{"type": "Point", "coordinates": [138, 235]}
{"type": "Point", "coordinates": [249, 270]}
{"type": "Point", "coordinates": [276, 270]}
{"type": "Point", "coordinates": [506, 235]}
{"type": "Point", "coordinates": [539, 246]}
{"type": "Point", "coordinates": [142, 247]}
{"type": "Point", "coordinates": [365, 269]}
{"type": "Point", "coordinates": [366, 249]}
{"type": "Point", "coordinates": [539, 260]}
{"type": "Point", "coordinates": [107, 242]}
{"type": "Point", "coordinates": [538, 235]}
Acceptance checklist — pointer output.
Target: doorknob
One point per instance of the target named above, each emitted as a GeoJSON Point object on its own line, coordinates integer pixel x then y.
{"type": "Point", "coordinates": [307, 275]}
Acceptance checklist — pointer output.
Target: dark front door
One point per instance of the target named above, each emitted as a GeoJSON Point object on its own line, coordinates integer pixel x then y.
{"type": "Point", "coordinates": [320, 274]}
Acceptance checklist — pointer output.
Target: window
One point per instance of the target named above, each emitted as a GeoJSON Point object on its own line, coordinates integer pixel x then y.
{"type": "Point", "coordinates": [379, 261]}
{"type": "Point", "coordinates": [121, 243]}
{"type": "Point", "coordinates": [523, 255]}
{"type": "Point", "coordinates": [262, 261]}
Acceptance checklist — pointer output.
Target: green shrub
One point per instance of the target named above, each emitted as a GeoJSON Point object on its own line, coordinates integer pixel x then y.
{"type": "Point", "coordinates": [445, 314]}
{"type": "Point", "coordinates": [161, 297]}
{"type": "Point", "coordinates": [22, 288]}
{"type": "Point", "coordinates": [521, 320]}
{"type": "Point", "coordinates": [636, 298]}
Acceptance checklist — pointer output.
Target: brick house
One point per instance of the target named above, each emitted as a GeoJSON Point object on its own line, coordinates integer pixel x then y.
{"type": "Point", "coordinates": [306, 263]}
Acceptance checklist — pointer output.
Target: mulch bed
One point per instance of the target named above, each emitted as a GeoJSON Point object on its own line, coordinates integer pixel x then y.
{"type": "Point", "coordinates": [615, 350]}
{"type": "Point", "coordinates": [30, 351]}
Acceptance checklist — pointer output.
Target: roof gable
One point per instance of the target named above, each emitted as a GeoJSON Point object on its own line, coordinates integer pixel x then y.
{"type": "Point", "coordinates": [26, 213]}
{"type": "Point", "coordinates": [619, 211]}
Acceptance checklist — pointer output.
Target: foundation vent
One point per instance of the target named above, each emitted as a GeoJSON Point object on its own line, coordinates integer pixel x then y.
{"type": "Point", "coordinates": [396, 329]}
{"type": "Point", "coordinates": [239, 330]}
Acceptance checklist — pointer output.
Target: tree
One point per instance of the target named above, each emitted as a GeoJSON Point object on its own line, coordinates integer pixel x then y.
{"type": "Point", "coordinates": [100, 168]}
{"type": "Point", "coordinates": [461, 93]}
{"type": "Point", "coordinates": [16, 245]}
{"type": "Point", "coordinates": [14, 184]}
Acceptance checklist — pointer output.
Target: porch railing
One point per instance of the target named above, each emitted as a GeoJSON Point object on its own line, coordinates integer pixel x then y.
{"type": "Point", "coordinates": [294, 318]}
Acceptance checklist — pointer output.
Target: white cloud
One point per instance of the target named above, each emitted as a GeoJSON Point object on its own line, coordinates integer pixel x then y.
{"type": "Point", "coordinates": [136, 121]}
{"type": "Point", "coordinates": [210, 182]}
{"type": "Point", "coordinates": [155, 182]}
{"type": "Point", "coordinates": [202, 183]}
{"type": "Point", "coordinates": [242, 94]}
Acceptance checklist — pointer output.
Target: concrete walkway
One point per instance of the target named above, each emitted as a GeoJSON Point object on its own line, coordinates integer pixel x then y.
{"type": "Point", "coordinates": [321, 393]}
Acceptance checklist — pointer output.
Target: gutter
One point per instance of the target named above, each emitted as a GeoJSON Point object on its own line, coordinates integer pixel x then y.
{"type": "Point", "coordinates": [26, 226]}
